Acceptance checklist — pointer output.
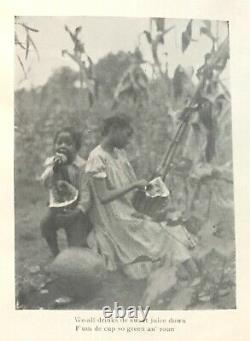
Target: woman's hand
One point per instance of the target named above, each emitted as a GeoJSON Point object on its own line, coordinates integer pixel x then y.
{"type": "Point", "coordinates": [141, 184]}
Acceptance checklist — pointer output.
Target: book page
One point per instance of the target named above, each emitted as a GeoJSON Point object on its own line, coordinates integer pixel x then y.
{"type": "Point", "coordinates": [167, 81]}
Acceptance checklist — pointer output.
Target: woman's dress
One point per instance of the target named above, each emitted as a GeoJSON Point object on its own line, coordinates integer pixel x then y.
{"type": "Point", "coordinates": [124, 240]}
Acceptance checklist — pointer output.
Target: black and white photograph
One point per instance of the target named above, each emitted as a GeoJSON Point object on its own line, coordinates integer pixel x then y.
{"type": "Point", "coordinates": [123, 164]}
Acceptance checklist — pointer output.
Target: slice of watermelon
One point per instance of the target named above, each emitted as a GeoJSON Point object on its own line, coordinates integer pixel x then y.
{"type": "Point", "coordinates": [62, 194]}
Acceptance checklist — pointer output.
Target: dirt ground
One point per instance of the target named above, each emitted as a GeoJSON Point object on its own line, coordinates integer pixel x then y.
{"type": "Point", "coordinates": [34, 290]}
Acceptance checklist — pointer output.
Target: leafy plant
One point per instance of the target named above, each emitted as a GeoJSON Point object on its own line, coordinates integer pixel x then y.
{"type": "Point", "coordinates": [27, 44]}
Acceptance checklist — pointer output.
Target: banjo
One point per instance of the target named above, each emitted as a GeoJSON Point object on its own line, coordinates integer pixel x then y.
{"type": "Point", "coordinates": [153, 199]}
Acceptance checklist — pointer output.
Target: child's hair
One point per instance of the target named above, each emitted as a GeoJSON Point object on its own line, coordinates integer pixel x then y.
{"type": "Point", "coordinates": [75, 135]}
{"type": "Point", "coordinates": [118, 121]}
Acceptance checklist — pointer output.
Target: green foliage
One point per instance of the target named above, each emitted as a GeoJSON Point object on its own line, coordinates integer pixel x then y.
{"type": "Point", "coordinates": [109, 70]}
{"type": "Point", "coordinates": [41, 111]}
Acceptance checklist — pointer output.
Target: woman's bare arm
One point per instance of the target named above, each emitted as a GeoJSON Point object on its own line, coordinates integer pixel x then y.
{"type": "Point", "coordinates": [105, 195]}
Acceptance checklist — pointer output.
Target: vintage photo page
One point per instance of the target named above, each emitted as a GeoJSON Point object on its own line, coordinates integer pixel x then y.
{"type": "Point", "coordinates": [128, 198]}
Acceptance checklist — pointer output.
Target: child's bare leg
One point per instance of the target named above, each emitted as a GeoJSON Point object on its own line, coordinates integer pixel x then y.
{"type": "Point", "coordinates": [49, 232]}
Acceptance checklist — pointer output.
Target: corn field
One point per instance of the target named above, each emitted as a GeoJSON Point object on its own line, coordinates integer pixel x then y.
{"type": "Point", "coordinates": [200, 177]}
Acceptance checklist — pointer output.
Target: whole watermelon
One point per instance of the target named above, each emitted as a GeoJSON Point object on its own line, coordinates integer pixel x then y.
{"type": "Point", "coordinates": [79, 271]}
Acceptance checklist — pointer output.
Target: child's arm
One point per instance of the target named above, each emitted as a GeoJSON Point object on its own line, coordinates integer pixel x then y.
{"type": "Point", "coordinates": [47, 176]}
{"type": "Point", "coordinates": [52, 166]}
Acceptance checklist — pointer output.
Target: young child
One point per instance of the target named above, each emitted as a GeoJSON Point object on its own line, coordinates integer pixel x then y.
{"type": "Point", "coordinates": [69, 196]}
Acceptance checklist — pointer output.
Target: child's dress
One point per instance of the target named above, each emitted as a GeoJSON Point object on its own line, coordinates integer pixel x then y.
{"type": "Point", "coordinates": [125, 241]}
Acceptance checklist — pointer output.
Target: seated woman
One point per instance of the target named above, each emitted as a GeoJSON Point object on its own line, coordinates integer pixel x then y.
{"type": "Point", "coordinates": [125, 240]}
